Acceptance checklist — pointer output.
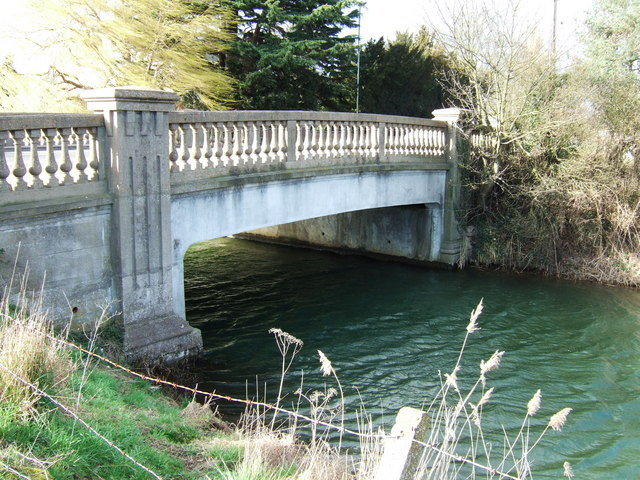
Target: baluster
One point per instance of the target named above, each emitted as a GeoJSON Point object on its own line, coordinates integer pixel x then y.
{"type": "Point", "coordinates": [366, 135]}
{"type": "Point", "coordinates": [403, 140]}
{"type": "Point", "coordinates": [316, 136]}
{"type": "Point", "coordinates": [340, 140]}
{"type": "Point", "coordinates": [227, 149]}
{"type": "Point", "coordinates": [319, 150]}
{"type": "Point", "coordinates": [174, 143]}
{"type": "Point", "coordinates": [388, 140]}
{"type": "Point", "coordinates": [4, 168]}
{"type": "Point", "coordinates": [255, 143]}
{"type": "Point", "coordinates": [236, 145]}
{"type": "Point", "coordinates": [273, 144]}
{"type": "Point", "coordinates": [183, 148]}
{"type": "Point", "coordinates": [243, 144]}
{"type": "Point", "coordinates": [35, 168]}
{"type": "Point", "coordinates": [304, 141]}
{"type": "Point", "coordinates": [420, 137]}
{"type": "Point", "coordinates": [264, 143]}
{"type": "Point", "coordinates": [333, 137]}
{"type": "Point", "coordinates": [435, 142]}
{"type": "Point", "coordinates": [426, 141]}
{"type": "Point", "coordinates": [348, 145]}
{"type": "Point", "coordinates": [269, 142]}
{"type": "Point", "coordinates": [366, 151]}
{"type": "Point", "coordinates": [65, 161]}
{"type": "Point", "coordinates": [413, 140]}
{"type": "Point", "coordinates": [50, 136]}
{"type": "Point", "coordinates": [321, 140]}
{"type": "Point", "coordinates": [328, 135]}
{"type": "Point", "coordinates": [408, 140]}
{"type": "Point", "coordinates": [218, 144]}
{"type": "Point", "coordinates": [373, 140]}
{"type": "Point", "coordinates": [362, 141]}
{"type": "Point", "coordinates": [366, 141]}
{"type": "Point", "coordinates": [332, 130]}
{"type": "Point", "coordinates": [282, 142]}
{"type": "Point", "coordinates": [196, 145]}
{"type": "Point", "coordinates": [397, 140]}
{"type": "Point", "coordinates": [208, 134]}
{"type": "Point", "coordinates": [94, 163]}
{"type": "Point", "coordinates": [299, 142]}
{"type": "Point", "coordinates": [355, 140]}
{"type": "Point", "coordinates": [19, 170]}
{"type": "Point", "coordinates": [80, 160]}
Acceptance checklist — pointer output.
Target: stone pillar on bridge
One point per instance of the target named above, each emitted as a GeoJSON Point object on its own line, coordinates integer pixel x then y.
{"type": "Point", "coordinates": [451, 242]}
{"type": "Point", "coordinates": [137, 151]}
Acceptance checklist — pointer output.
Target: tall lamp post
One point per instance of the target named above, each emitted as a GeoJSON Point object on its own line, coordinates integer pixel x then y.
{"type": "Point", "coordinates": [358, 63]}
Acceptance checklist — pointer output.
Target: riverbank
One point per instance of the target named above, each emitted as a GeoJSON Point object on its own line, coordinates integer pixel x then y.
{"type": "Point", "coordinates": [491, 249]}
{"type": "Point", "coordinates": [622, 269]}
{"type": "Point", "coordinates": [68, 415]}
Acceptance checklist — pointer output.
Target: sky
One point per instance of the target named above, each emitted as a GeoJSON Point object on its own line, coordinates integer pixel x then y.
{"type": "Point", "coordinates": [386, 17]}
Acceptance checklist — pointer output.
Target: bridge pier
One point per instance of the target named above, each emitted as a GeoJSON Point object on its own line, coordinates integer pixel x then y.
{"type": "Point", "coordinates": [451, 242]}
{"type": "Point", "coordinates": [136, 149]}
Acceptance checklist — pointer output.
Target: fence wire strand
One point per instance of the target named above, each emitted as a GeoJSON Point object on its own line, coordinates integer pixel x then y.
{"type": "Point", "coordinates": [251, 403]}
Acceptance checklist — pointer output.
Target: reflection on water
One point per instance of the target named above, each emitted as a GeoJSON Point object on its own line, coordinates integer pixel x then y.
{"type": "Point", "coordinates": [389, 329]}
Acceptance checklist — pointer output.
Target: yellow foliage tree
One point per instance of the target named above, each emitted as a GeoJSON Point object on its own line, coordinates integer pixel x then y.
{"type": "Point", "coordinates": [166, 44]}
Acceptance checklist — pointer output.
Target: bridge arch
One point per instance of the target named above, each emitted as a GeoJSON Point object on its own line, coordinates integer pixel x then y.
{"type": "Point", "coordinates": [222, 212]}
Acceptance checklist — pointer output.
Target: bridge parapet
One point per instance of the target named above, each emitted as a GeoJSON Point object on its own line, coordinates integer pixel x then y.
{"type": "Point", "coordinates": [218, 144]}
{"type": "Point", "coordinates": [40, 153]}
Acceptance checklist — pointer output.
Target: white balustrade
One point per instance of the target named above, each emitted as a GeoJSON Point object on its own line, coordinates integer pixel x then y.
{"type": "Point", "coordinates": [219, 140]}
{"type": "Point", "coordinates": [33, 158]}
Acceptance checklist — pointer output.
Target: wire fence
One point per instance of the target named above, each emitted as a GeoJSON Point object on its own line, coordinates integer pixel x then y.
{"type": "Point", "coordinates": [247, 402]}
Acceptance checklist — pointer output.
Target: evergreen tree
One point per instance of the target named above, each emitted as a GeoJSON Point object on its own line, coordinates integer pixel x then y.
{"type": "Point", "coordinates": [293, 54]}
{"type": "Point", "coordinates": [402, 77]}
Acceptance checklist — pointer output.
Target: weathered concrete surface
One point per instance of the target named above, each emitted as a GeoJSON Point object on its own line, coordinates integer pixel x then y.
{"type": "Point", "coordinates": [67, 252]}
{"type": "Point", "coordinates": [137, 145]}
{"type": "Point", "coordinates": [404, 233]}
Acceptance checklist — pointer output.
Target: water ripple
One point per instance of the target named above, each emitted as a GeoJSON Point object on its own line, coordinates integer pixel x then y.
{"type": "Point", "coordinates": [390, 329]}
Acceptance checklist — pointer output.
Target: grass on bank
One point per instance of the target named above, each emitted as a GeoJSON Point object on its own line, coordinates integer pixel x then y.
{"type": "Point", "coordinates": [64, 416]}
{"type": "Point", "coordinates": [38, 439]}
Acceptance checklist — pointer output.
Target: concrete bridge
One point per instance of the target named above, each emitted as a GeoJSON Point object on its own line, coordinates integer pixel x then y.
{"type": "Point", "coordinates": [103, 206]}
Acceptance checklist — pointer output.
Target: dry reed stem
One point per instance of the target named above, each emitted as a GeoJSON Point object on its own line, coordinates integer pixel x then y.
{"type": "Point", "coordinates": [568, 472]}
{"type": "Point", "coordinates": [534, 404]}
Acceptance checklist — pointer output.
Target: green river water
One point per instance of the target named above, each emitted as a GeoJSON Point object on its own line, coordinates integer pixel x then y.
{"type": "Point", "coordinates": [390, 328]}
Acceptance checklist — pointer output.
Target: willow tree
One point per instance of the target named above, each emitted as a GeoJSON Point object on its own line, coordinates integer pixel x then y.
{"type": "Point", "coordinates": [166, 44]}
{"type": "Point", "coordinates": [293, 54]}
